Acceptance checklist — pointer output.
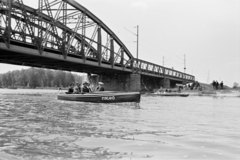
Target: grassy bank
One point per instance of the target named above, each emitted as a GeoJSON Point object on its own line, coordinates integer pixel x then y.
{"type": "Point", "coordinates": [210, 87]}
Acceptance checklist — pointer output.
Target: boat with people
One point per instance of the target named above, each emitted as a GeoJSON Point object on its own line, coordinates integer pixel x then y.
{"type": "Point", "coordinates": [11, 87]}
{"type": "Point", "coordinates": [208, 92]}
{"type": "Point", "coordinates": [102, 97]}
{"type": "Point", "coordinates": [172, 94]}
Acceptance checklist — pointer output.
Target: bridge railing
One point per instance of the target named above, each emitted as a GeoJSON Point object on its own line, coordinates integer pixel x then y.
{"type": "Point", "coordinates": [147, 68]}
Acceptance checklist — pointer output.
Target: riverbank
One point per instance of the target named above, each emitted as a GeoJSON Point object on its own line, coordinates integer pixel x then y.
{"type": "Point", "coordinates": [219, 93]}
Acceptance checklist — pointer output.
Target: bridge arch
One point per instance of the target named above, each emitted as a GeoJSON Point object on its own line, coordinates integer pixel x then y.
{"type": "Point", "coordinates": [62, 34]}
{"type": "Point", "coordinates": [64, 27]}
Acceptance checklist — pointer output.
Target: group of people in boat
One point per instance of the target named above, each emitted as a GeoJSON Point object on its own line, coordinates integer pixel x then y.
{"type": "Point", "coordinates": [84, 88]}
{"type": "Point", "coordinates": [168, 90]}
{"type": "Point", "coordinates": [179, 87]}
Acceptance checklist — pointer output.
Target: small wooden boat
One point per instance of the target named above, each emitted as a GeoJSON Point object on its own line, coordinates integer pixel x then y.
{"type": "Point", "coordinates": [172, 94]}
{"type": "Point", "coordinates": [109, 97]}
{"type": "Point", "coordinates": [12, 87]}
{"type": "Point", "coordinates": [208, 92]}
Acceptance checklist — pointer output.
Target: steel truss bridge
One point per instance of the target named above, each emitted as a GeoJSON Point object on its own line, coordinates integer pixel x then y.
{"type": "Point", "coordinates": [64, 35]}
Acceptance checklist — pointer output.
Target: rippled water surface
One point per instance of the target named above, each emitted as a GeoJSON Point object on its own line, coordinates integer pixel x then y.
{"type": "Point", "coordinates": [34, 125]}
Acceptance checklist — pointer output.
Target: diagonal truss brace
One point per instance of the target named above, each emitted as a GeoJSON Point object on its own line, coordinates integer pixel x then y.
{"type": "Point", "coordinates": [27, 20]}
{"type": "Point", "coordinates": [73, 34]}
{"type": "Point", "coordinates": [91, 41]}
{"type": "Point", "coordinates": [51, 25]}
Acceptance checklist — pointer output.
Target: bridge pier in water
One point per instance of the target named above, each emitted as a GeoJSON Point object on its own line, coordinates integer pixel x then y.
{"type": "Point", "coordinates": [151, 83]}
{"type": "Point", "coordinates": [119, 82]}
{"type": "Point", "coordinates": [132, 82]}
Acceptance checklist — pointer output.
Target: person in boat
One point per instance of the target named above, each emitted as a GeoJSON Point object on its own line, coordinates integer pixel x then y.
{"type": "Point", "coordinates": [85, 88]}
{"type": "Point", "coordinates": [160, 90]}
{"type": "Point", "coordinates": [100, 86]}
{"type": "Point", "coordinates": [77, 88]}
{"type": "Point", "coordinates": [71, 88]}
{"type": "Point", "coordinates": [89, 87]}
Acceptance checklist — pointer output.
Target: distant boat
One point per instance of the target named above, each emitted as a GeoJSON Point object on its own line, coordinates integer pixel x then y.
{"type": "Point", "coordinates": [102, 97]}
{"type": "Point", "coordinates": [172, 94]}
{"type": "Point", "coordinates": [207, 92]}
{"type": "Point", "coordinates": [11, 87]}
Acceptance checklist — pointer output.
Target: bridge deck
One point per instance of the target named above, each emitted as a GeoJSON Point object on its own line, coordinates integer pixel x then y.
{"type": "Point", "coordinates": [24, 54]}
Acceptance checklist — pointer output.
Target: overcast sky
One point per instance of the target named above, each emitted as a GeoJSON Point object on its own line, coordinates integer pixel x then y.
{"type": "Point", "coordinates": [206, 31]}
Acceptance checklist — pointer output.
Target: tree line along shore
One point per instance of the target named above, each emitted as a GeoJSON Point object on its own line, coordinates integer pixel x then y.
{"type": "Point", "coordinates": [38, 78]}
{"type": "Point", "coordinates": [46, 78]}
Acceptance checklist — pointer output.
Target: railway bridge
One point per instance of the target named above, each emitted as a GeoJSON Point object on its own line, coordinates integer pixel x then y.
{"type": "Point", "coordinates": [64, 35]}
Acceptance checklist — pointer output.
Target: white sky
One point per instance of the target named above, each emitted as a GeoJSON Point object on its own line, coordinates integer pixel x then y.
{"type": "Point", "coordinates": [206, 31]}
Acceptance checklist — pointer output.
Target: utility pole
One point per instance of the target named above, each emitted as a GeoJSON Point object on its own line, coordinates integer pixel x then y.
{"type": "Point", "coordinates": [137, 42]}
{"type": "Point", "coordinates": [163, 61]}
{"type": "Point", "coordinates": [134, 41]}
{"type": "Point", "coordinates": [184, 63]}
{"type": "Point", "coordinates": [208, 77]}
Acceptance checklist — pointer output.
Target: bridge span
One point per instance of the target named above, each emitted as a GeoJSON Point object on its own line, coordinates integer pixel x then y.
{"type": "Point", "coordinates": [64, 35]}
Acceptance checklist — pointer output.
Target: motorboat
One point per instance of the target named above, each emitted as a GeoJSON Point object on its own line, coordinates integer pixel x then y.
{"type": "Point", "coordinates": [102, 97]}
{"type": "Point", "coordinates": [172, 94]}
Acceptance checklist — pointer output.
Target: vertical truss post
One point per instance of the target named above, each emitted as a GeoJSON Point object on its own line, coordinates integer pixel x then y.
{"type": "Point", "coordinates": [40, 23]}
{"type": "Point", "coordinates": [99, 46]}
{"type": "Point", "coordinates": [111, 52]}
{"type": "Point", "coordinates": [24, 32]}
{"type": "Point", "coordinates": [7, 32]}
{"type": "Point", "coordinates": [52, 26]}
{"type": "Point", "coordinates": [159, 71]}
{"type": "Point", "coordinates": [1, 35]}
{"type": "Point", "coordinates": [139, 66]}
{"type": "Point", "coordinates": [9, 21]}
{"type": "Point", "coordinates": [122, 57]}
{"type": "Point", "coordinates": [83, 37]}
{"type": "Point", "coordinates": [27, 21]}
{"type": "Point", "coordinates": [153, 69]}
{"type": "Point", "coordinates": [70, 42]}
{"type": "Point", "coordinates": [1, 18]}
{"type": "Point", "coordinates": [91, 41]}
{"type": "Point", "coordinates": [164, 75]}
{"type": "Point", "coordinates": [64, 31]}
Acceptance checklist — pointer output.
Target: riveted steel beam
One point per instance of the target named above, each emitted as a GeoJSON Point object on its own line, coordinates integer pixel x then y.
{"type": "Point", "coordinates": [111, 52]}
{"type": "Point", "coordinates": [99, 46]}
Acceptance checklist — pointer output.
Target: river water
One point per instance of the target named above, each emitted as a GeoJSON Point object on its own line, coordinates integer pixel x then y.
{"type": "Point", "coordinates": [34, 125]}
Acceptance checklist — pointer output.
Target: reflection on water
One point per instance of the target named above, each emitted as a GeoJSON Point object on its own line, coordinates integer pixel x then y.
{"type": "Point", "coordinates": [35, 125]}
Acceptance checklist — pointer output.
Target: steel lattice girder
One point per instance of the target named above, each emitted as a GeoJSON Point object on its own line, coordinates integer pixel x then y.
{"type": "Point", "coordinates": [47, 28]}
{"type": "Point", "coordinates": [50, 28]}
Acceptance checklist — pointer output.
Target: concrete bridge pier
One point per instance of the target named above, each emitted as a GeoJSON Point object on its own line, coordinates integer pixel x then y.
{"type": "Point", "coordinates": [151, 83]}
{"type": "Point", "coordinates": [118, 82]}
{"type": "Point", "coordinates": [166, 83]}
{"type": "Point", "coordinates": [131, 82]}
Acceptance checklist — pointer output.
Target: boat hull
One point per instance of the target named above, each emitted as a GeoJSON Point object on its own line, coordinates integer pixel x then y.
{"type": "Point", "coordinates": [173, 94]}
{"type": "Point", "coordinates": [102, 98]}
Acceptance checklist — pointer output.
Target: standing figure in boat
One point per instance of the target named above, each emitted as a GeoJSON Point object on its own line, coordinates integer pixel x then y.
{"type": "Point", "coordinates": [100, 86]}
{"type": "Point", "coordinates": [71, 88]}
{"type": "Point", "coordinates": [85, 88]}
{"type": "Point", "coordinates": [77, 88]}
{"type": "Point", "coordinates": [89, 87]}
